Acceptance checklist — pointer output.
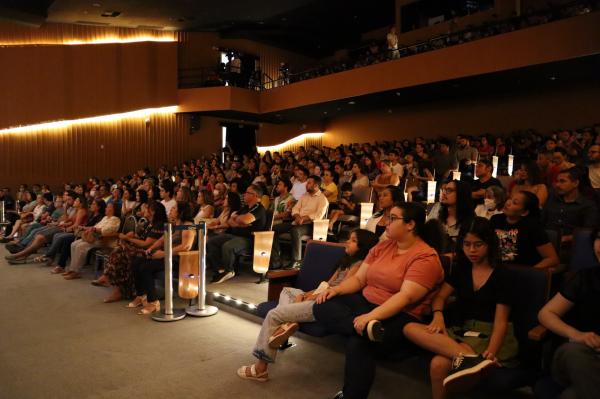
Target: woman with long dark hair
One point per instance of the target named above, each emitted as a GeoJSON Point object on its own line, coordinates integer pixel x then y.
{"type": "Point", "coordinates": [522, 237]}
{"type": "Point", "coordinates": [295, 306]}
{"type": "Point", "coordinates": [393, 287]}
{"type": "Point", "coordinates": [481, 289]}
{"type": "Point", "coordinates": [529, 178]}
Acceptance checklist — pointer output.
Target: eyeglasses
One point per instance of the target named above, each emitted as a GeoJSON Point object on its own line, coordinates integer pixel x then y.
{"type": "Point", "coordinates": [448, 190]}
{"type": "Point", "coordinates": [474, 244]}
{"type": "Point", "coordinates": [249, 192]}
{"type": "Point", "coordinates": [393, 218]}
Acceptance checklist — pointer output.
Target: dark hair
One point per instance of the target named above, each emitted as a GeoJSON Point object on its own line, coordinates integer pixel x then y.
{"type": "Point", "coordinates": [184, 211]}
{"type": "Point", "coordinates": [101, 206]}
{"type": "Point", "coordinates": [487, 162]}
{"type": "Point", "coordinates": [431, 231]}
{"type": "Point", "coordinates": [482, 228]}
{"type": "Point", "coordinates": [116, 209]}
{"type": "Point", "coordinates": [167, 185]}
{"type": "Point", "coordinates": [346, 186]}
{"type": "Point", "coordinates": [160, 214]}
{"type": "Point", "coordinates": [257, 189]}
{"type": "Point", "coordinates": [206, 196]}
{"type": "Point", "coordinates": [143, 196]}
{"type": "Point", "coordinates": [286, 182]}
{"type": "Point", "coordinates": [464, 203]}
{"type": "Point", "coordinates": [562, 151]}
{"type": "Point", "coordinates": [131, 193]}
{"type": "Point", "coordinates": [365, 240]}
{"type": "Point", "coordinates": [531, 204]}
{"type": "Point", "coordinates": [574, 173]}
{"type": "Point", "coordinates": [316, 179]}
{"type": "Point", "coordinates": [47, 197]}
{"type": "Point", "coordinates": [71, 194]}
{"type": "Point", "coordinates": [234, 201]}
{"type": "Point", "coordinates": [82, 201]}
{"type": "Point", "coordinates": [186, 194]}
{"type": "Point", "coordinates": [534, 175]}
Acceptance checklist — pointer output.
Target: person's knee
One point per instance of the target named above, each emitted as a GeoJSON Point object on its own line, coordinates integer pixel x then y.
{"type": "Point", "coordinates": [571, 354]}
{"type": "Point", "coordinates": [410, 330]}
{"type": "Point", "coordinates": [439, 366]}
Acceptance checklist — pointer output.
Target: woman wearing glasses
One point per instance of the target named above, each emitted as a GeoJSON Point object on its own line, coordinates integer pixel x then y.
{"type": "Point", "coordinates": [393, 287]}
{"type": "Point", "coordinates": [477, 334]}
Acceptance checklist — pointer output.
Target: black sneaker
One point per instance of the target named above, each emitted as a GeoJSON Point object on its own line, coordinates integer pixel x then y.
{"type": "Point", "coordinates": [466, 372]}
{"type": "Point", "coordinates": [374, 331]}
{"type": "Point", "coordinates": [222, 277]}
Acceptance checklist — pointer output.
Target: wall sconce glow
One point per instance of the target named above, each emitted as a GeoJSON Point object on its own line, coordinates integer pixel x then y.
{"type": "Point", "coordinates": [495, 165]}
{"type": "Point", "coordinates": [116, 39]}
{"type": "Point", "coordinates": [298, 140]}
{"type": "Point", "coordinates": [142, 113]}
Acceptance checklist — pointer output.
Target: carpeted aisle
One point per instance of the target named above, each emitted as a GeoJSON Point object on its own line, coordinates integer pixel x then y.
{"type": "Point", "coordinates": [58, 340]}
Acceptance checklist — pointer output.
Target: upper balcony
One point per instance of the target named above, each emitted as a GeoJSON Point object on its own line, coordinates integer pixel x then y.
{"type": "Point", "coordinates": [562, 40]}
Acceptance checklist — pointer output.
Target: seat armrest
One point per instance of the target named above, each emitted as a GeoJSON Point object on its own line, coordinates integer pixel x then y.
{"type": "Point", "coordinates": [278, 279]}
{"type": "Point", "coordinates": [537, 333]}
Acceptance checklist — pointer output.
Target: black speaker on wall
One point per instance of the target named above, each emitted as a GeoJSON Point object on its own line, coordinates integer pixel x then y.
{"type": "Point", "coordinates": [195, 122]}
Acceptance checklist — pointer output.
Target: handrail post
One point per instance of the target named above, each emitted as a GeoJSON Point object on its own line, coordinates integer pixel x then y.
{"type": "Point", "coordinates": [201, 309]}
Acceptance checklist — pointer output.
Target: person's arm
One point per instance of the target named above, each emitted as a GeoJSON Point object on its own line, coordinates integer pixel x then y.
{"type": "Point", "coordinates": [409, 293]}
{"type": "Point", "coordinates": [350, 285]}
{"type": "Point", "coordinates": [542, 194]}
{"type": "Point", "coordinates": [549, 256]}
{"type": "Point", "coordinates": [142, 243]}
{"type": "Point", "coordinates": [551, 317]}
{"type": "Point", "coordinates": [498, 331]}
{"type": "Point", "coordinates": [378, 185]}
{"type": "Point", "coordinates": [438, 303]}
{"type": "Point", "coordinates": [110, 227]}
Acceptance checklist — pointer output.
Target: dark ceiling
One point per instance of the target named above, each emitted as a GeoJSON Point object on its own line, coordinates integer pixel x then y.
{"type": "Point", "coordinates": [311, 27]}
{"type": "Point", "coordinates": [538, 78]}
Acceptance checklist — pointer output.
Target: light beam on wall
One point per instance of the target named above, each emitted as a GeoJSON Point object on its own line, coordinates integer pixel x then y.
{"type": "Point", "coordinates": [107, 39]}
{"type": "Point", "coordinates": [141, 113]}
{"type": "Point", "coordinates": [298, 140]}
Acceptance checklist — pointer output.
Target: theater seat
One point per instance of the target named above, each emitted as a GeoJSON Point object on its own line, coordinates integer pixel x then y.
{"type": "Point", "coordinates": [319, 264]}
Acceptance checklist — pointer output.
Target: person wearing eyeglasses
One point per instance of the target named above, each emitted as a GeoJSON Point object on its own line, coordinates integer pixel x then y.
{"type": "Point", "coordinates": [477, 334]}
{"type": "Point", "coordinates": [222, 249]}
{"type": "Point", "coordinates": [392, 288]}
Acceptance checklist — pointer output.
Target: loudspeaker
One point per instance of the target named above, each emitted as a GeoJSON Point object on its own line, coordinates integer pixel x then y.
{"type": "Point", "coordinates": [195, 122]}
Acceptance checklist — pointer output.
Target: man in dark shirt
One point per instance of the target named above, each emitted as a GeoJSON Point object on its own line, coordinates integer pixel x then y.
{"type": "Point", "coordinates": [222, 249]}
{"type": "Point", "coordinates": [443, 161]}
{"type": "Point", "coordinates": [485, 180]}
{"type": "Point", "coordinates": [576, 364]}
{"type": "Point", "coordinates": [566, 209]}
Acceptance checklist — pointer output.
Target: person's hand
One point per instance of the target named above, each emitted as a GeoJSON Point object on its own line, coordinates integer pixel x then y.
{"type": "Point", "coordinates": [123, 236]}
{"type": "Point", "coordinates": [299, 298]}
{"type": "Point", "coordinates": [489, 356]}
{"type": "Point", "coordinates": [326, 295]}
{"type": "Point", "coordinates": [158, 255]}
{"type": "Point", "coordinates": [360, 322]}
{"type": "Point", "coordinates": [437, 326]}
{"type": "Point", "coordinates": [589, 339]}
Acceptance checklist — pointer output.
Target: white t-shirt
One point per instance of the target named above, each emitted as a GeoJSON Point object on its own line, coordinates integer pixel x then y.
{"type": "Point", "coordinates": [169, 205]}
{"type": "Point", "coordinates": [298, 189]}
{"type": "Point", "coordinates": [595, 175]}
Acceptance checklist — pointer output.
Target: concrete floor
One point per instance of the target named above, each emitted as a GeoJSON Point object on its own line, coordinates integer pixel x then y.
{"type": "Point", "coordinates": [58, 340]}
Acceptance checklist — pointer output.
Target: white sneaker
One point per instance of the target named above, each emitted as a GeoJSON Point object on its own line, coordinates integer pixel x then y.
{"type": "Point", "coordinates": [222, 277]}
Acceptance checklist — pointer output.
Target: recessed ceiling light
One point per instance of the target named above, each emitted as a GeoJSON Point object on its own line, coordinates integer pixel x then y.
{"type": "Point", "coordinates": [96, 5]}
{"type": "Point", "coordinates": [324, 112]}
{"type": "Point", "coordinates": [398, 93]}
{"type": "Point", "coordinates": [552, 78]}
{"type": "Point", "coordinates": [111, 14]}
{"type": "Point", "coordinates": [390, 111]}
{"type": "Point", "coordinates": [351, 102]}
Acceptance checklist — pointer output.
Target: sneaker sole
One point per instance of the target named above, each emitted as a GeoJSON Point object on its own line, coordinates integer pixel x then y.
{"type": "Point", "coordinates": [375, 334]}
{"type": "Point", "coordinates": [466, 379]}
{"type": "Point", "coordinates": [276, 341]}
{"type": "Point", "coordinates": [226, 277]}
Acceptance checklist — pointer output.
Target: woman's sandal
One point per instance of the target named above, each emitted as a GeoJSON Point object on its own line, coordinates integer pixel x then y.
{"type": "Point", "coordinates": [282, 334]}
{"type": "Point", "coordinates": [138, 301]}
{"type": "Point", "coordinates": [41, 259]}
{"type": "Point", "coordinates": [150, 307]}
{"type": "Point", "coordinates": [249, 373]}
{"type": "Point", "coordinates": [58, 270]}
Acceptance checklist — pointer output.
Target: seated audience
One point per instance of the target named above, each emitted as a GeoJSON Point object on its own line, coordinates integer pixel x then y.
{"type": "Point", "coordinates": [483, 171]}
{"type": "Point", "coordinates": [566, 208]}
{"type": "Point", "coordinates": [523, 240]}
{"type": "Point", "coordinates": [222, 249]}
{"type": "Point", "coordinates": [381, 219]}
{"type": "Point", "coordinates": [329, 188]}
{"type": "Point", "coordinates": [311, 206]}
{"type": "Point", "coordinates": [118, 272]}
{"type": "Point", "coordinates": [359, 176]}
{"type": "Point", "coordinates": [528, 178]}
{"type": "Point", "coordinates": [494, 200]}
{"type": "Point", "coordinates": [167, 192]}
{"type": "Point", "coordinates": [392, 288]}
{"type": "Point", "coordinates": [129, 202]}
{"type": "Point", "coordinates": [146, 267]}
{"type": "Point", "coordinates": [454, 211]}
{"type": "Point", "coordinates": [299, 183]}
{"type": "Point", "coordinates": [284, 202]}
{"type": "Point", "coordinates": [385, 178]}
{"type": "Point", "coordinates": [295, 306]}
{"type": "Point", "coordinates": [206, 210]}
{"type": "Point", "coordinates": [101, 234]}
{"type": "Point", "coordinates": [232, 204]}
{"type": "Point", "coordinates": [482, 304]}
{"type": "Point", "coordinates": [573, 314]}
{"type": "Point", "coordinates": [347, 205]}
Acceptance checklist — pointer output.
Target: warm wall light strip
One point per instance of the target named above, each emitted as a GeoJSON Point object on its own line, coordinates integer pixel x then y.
{"type": "Point", "coordinates": [298, 140]}
{"type": "Point", "coordinates": [108, 40]}
{"type": "Point", "coordinates": [141, 113]}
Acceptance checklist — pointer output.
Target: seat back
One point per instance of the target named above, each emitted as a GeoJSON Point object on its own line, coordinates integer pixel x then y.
{"type": "Point", "coordinates": [319, 263]}
{"type": "Point", "coordinates": [129, 224]}
{"type": "Point", "coordinates": [530, 289]}
{"type": "Point", "coordinates": [582, 251]}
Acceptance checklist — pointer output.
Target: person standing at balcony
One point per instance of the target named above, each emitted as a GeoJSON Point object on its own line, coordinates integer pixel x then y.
{"type": "Point", "coordinates": [392, 44]}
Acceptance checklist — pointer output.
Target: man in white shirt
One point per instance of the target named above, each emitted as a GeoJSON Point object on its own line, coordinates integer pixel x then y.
{"type": "Point", "coordinates": [311, 206]}
{"type": "Point", "coordinates": [166, 195]}
{"type": "Point", "coordinates": [397, 167]}
{"type": "Point", "coordinates": [299, 186]}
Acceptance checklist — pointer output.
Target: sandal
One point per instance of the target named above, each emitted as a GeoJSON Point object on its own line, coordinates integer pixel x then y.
{"type": "Point", "coordinates": [73, 276]}
{"type": "Point", "coordinates": [282, 334]}
{"type": "Point", "coordinates": [100, 282]}
{"type": "Point", "coordinates": [41, 259]}
{"type": "Point", "coordinates": [138, 301]}
{"type": "Point", "coordinates": [58, 270]}
{"type": "Point", "coordinates": [151, 307]}
{"type": "Point", "coordinates": [249, 373]}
